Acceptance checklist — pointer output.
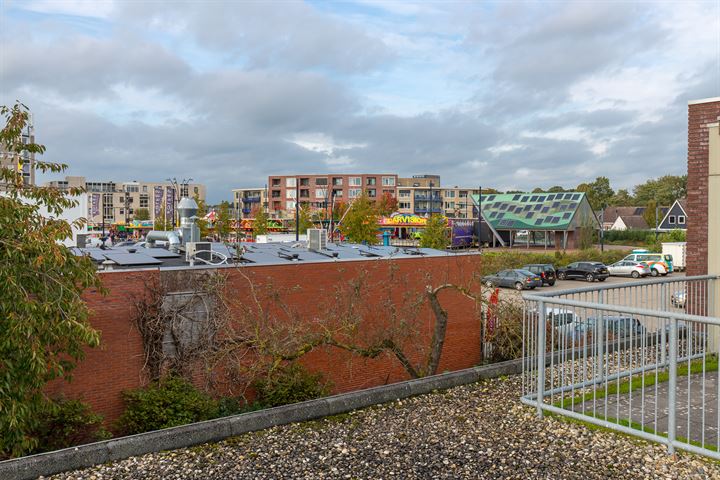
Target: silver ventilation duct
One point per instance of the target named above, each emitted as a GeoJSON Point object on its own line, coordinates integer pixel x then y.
{"type": "Point", "coordinates": [189, 231]}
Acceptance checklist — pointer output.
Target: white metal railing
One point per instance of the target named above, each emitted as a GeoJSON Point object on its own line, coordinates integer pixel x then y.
{"type": "Point", "coordinates": [639, 357]}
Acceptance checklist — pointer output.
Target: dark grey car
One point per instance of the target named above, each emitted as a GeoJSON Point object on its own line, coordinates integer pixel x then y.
{"type": "Point", "coordinates": [517, 279]}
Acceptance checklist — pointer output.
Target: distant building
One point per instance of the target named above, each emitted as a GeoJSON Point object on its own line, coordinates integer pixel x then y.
{"type": "Point", "coordinates": [628, 218]}
{"type": "Point", "coordinates": [118, 202]}
{"type": "Point", "coordinates": [318, 192]}
{"type": "Point", "coordinates": [247, 200]}
{"type": "Point", "coordinates": [24, 163]}
{"type": "Point", "coordinates": [676, 216]}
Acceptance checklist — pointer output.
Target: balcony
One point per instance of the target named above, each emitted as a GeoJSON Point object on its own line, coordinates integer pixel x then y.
{"type": "Point", "coordinates": [428, 210]}
{"type": "Point", "coordinates": [251, 199]}
{"type": "Point", "coordinates": [435, 198]}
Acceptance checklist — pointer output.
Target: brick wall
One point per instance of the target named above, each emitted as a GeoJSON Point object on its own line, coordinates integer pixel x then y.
{"type": "Point", "coordinates": [699, 115]}
{"type": "Point", "coordinates": [117, 364]}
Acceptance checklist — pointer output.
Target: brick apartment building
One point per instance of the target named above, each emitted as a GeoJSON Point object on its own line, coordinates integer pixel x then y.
{"type": "Point", "coordinates": [703, 200]}
{"type": "Point", "coordinates": [318, 191]}
{"type": "Point", "coordinates": [119, 201]}
{"type": "Point", "coordinates": [247, 200]}
{"type": "Point", "coordinates": [423, 194]}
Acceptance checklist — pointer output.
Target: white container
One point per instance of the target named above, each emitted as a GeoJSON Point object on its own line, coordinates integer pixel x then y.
{"type": "Point", "coordinates": [678, 250]}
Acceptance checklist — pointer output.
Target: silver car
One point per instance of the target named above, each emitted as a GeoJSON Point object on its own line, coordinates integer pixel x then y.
{"type": "Point", "coordinates": [629, 268]}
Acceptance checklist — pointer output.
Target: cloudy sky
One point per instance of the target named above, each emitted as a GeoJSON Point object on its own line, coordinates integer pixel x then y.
{"type": "Point", "coordinates": [512, 95]}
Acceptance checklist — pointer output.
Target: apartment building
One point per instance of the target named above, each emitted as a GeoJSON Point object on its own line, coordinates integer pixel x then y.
{"type": "Point", "coordinates": [24, 163]}
{"type": "Point", "coordinates": [247, 200]}
{"type": "Point", "coordinates": [112, 202]}
{"type": "Point", "coordinates": [319, 191]}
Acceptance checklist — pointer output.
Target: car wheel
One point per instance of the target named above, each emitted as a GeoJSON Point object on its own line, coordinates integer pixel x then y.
{"type": "Point", "coordinates": [551, 284]}
{"type": "Point", "coordinates": [654, 272]}
{"type": "Point", "coordinates": [664, 274]}
{"type": "Point", "coordinates": [561, 275]}
{"type": "Point", "coordinates": [590, 277]}
{"type": "Point", "coordinates": [635, 274]}
{"type": "Point", "coordinates": [519, 286]}
{"type": "Point", "coordinates": [489, 284]}
{"type": "Point", "coordinates": [602, 279]}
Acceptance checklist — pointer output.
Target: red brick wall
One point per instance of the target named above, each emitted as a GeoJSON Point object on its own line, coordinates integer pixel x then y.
{"type": "Point", "coordinates": [699, 115]}
{"type": "Point", "coordinates": [117, 364]}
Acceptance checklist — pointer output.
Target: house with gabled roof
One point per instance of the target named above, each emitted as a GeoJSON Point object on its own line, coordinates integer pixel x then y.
{"type": "Point", "coordinates": [535, 219]}
{"type": "Point", "coordinates": [676, 217]}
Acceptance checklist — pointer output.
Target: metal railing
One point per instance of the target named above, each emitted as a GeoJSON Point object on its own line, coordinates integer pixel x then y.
{"type": "Point", "coordinates": [639, 357]}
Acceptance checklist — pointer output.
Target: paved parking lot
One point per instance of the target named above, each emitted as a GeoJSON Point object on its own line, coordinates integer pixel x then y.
{"type": "Point", "coordinates": [619, 281]}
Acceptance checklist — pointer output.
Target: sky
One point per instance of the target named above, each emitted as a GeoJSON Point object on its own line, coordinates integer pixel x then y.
{"type": "Point", "coordinates": [510, 95]}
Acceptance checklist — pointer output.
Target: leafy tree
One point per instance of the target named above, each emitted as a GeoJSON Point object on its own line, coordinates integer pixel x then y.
{"type": "Point", "coordinates": [649, 214]}
{"type": "Point", "coordinates": [387, 204]}
{"type": "Point", "coordinates": [360, 224]}
{"type": "Point", "coordinates": [622, 198]}
{"type": "Point", "coordinates": [161, 223]}
{"type": "Point", "coordinates": [201, 222]}
{"type": "Point", "coordinates": [664, 190]}
{"type": "Point", "coordinates": [260, 224]}
{"type": "Point", "coordinates": [305, 219]}
{"type": "Point", "coordinates": [436, 233]}
{"type": "Point", "coordinates": [142, 214]}
{"type": "Point", "coordinates": [556, 189]}
{"type": "Point", "coordinates": [538, 190]}
{"type": "Point", "coordinates": [45, 323]}
{"type": "Point", "coordinates": [223, 221]}
{"type": "Point", "coordinates": [598, 192]}
{"type": "Point", "coordinates": [339, 210]}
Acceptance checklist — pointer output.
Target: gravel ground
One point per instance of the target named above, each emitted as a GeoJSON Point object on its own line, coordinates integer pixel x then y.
{"type": "Point", "coordinates": [474, 431]}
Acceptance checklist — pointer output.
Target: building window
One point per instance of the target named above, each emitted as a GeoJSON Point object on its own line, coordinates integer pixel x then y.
{"type": "Point", "coordinates": [404, 205]}
{"type": "Point", "coordinates": [275, 194]}
{"type": "Point", "coordinates": [404, 194]}
{"type": "Point", "coordinates": [144, 188]}
{"type": "Point", "coordinates": [291, 182]}
{"type": "Point", "coordinates": [304, 182]}
{"type": "Point", "coordinates": [371, 181]}
{"type": "Point", "coordinates": [372, 193]}
{"type": "Point", "coordinates": [388, 181]}
{"type": "Point", "coordinates": [275, 182]}
{"type": "Point", "coordinates": [338, 193]}
{"type": "Point", "coordinates": [304, 193]}
{"type": "Point", "coordinates": [144, 201]}
{"type": "Point", "coordinates": [681, 219]}
{"type": "Point", "coordinates": [321, 181]}
{"type": "Point", "coordinates": [337, 181]}
{"type": "Point", "coordinates": [354, 192]}
{"type": "Point", "coordinates": [462, 194]}
{"type": "Point", "coordinates": [671, 219]}
{"type": "Point", "coordinates": [320, 193]}
{"type": "Point", "coordinates": [450, 193]}
{"type": "Point", "coordinates": [449, 205]}
{"type": "Point", "coordinates": [355, 181]}
{"type": "Point", "coordinates": [290, 205]}
{"type": "Point", "coordinates": [290, 194]}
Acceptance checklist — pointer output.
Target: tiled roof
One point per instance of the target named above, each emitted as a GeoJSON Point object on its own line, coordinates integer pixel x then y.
{"type": "Point", "coordinates": [530, 211]}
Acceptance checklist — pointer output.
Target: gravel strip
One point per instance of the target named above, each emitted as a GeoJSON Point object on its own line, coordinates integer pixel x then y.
{"type": "Point", "coordinates": [474, 431]}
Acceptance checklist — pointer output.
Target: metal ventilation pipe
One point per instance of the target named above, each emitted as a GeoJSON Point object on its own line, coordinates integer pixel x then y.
{"type": "Point", "coordinates": [189, 231]}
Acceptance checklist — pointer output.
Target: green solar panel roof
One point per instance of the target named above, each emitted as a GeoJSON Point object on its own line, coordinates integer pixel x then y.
{"type": "Point", "coordinates": [514, 211]}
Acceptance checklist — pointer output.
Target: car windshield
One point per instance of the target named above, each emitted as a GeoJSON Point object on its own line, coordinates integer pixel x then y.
{"type": "Point", "coordinates": [527, 273]}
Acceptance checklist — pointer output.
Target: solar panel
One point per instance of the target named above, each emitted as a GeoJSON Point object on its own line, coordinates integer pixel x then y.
{"type": "Point", "coordinates": [132, 258]}
{"type": "Point", "coordinates": [555, 204]}
{"type": "Point", "coordinates": [491, 198]}
{"type": "Point", "coordinates": [554, 220]}
{"type": "Point", "coordinates": [157, 252]}
{"type": "Point", "coordinates": [567, 215]}
{"type": "Point", "coordinates": [504, 206]}
{"type": "Point", "coordinates": [529, 214]}
{"type": "Point", "coordinates": [563, 207]}
{"type": "Point", "coordinates": [95, 253]}
{"type": "Point", "coordinates": [524, 199]}
{"type": "Point", "coordinates": [550, 197]}
{"type": "Point", "coordinates": [516, 198]}
{"type": "Point", "coordinates": [545, 209]}
{"type": "Point", "coordinates": [492, 214]}
{"type": "Point", "coordinates": [573, 205]}
{"type": "Point", "coordinates": [501, 215]}
{"type": "Point", "coordinates": [538, 206]}
{"type": "Point", "coordinates": [538, 221]}
{"type": "Point", "coordinates": [568, 196]}
{"type": "Point", "coordinates": [534, 198]}
{"type": "Point", "coordinates": [576, 196]}
{"type": "Point", "coordinates": [541, 198]}
{"type": "Point", "coordinates": [527, 207]}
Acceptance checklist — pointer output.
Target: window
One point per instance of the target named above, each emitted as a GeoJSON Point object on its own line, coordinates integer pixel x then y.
{"type": "Point", "coordinates": [290, 194]}
{"type": "Point", "coordinates": [338, 193]}
{"type": "Point", "coordinates": [355, 181]}
{"type": "Point", "coordinates": [320, 192]}
{"type": "Point", "coordinates": [275, 182]}
{"type": "Point", "coordinates": [291, 182]}
{"type": "Point", "coordinates": [144, 188]}
{"type": "Point", "coordinates": [371, 192]}
{"type": "Point", "coordinates": [404, 205]}
{"type": "Point", "coordinates": [681, 219]}
{"type": "Point", "coordinates": [463, 194]}
{"type": "Point", "coordinates": [321, 181]}
{"type": "Point", "coordinates": [449, 205]}
{"type": "Point", "coordinates": [304, 182]}
{"type": "Point", "coordinates": [450, 193]}
{"type": "Point", "coordinates": [371, 181]}
{"type": "Point", "coordinates": [144, 201]}
{"type": "Point", "coordinates": [404, 194]}
{"type": "Point", "coordinates": [354, 192]}
{"type": "Point", "coordinates": [304, 193]}
{"type": "Point", "coordinates": [337, 181]}
{"type": "Point", "coordinates": [388, 181]}
{"type": "Point", "coordinates": [290, 205]}
{"type": "Point", "coordinates": [671, 219]}
{"type": "Point", "coordinates": [276, 194]}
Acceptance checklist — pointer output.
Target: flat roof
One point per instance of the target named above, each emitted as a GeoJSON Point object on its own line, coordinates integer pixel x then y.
{"type": "Point", "coordinates": [252, 254]}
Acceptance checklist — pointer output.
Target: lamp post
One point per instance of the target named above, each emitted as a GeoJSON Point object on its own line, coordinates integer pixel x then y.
{"type": "Point", "coordinates": [431, 200]}
{"type": "Point", "coordinates": [297, 210]}
{"type": "Point", "coordinates": [480, 219]}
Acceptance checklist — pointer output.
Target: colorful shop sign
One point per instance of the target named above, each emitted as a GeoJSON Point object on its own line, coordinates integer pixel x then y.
{"type": "Point", "coordinates": [402, 220]}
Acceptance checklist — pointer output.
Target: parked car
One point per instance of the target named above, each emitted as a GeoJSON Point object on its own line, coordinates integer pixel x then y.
{"type": "Point", "coordinates": [612, 325]}
{"type": "Point", "coordinates": [678, 299]}
{"type": "Point", "coordinates": [564, 320]}
{"type": "Point", "coordinates": [590, 271]}
{"type": "Point", "coordinates": [546, 271]}
{"type": "Point", "coordinates": [517, 279]}
{"type": "Point", "coordinates": [625, 268]}
{"type": "Point", "coordinates": [659, 264]}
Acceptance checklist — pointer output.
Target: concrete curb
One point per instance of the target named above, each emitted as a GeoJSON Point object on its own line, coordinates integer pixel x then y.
{"type": "Point", "coordinates": [83, 456]}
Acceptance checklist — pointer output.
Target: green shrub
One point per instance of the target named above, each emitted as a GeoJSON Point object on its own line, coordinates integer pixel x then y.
{"type": "Point", "coordinates": [228, 406]}
{"type": "Point", "coordinates": [66, 423]}
{"type": "Point", "coordinates": [168, 403]}
{"type": "Point", "coordinates": [290, 384]}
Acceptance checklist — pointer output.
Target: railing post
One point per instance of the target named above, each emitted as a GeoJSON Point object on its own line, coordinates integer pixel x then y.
{"type": "Point", "coordinates": [672, 386]}
{"type": "Point", "coordinates": [599, 359]}
{"type": "Point", "coordinates": [541, 358]}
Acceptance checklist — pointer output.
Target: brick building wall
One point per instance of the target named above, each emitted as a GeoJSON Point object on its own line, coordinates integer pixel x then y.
{"type": "Point", "coordinates": [117, 364]}
{"type": "Point", "coordinates": [700, 113]}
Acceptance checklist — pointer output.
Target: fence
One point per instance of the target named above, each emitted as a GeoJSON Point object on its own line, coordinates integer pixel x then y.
{"type": "Point", "coordinates": [639, 357]}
